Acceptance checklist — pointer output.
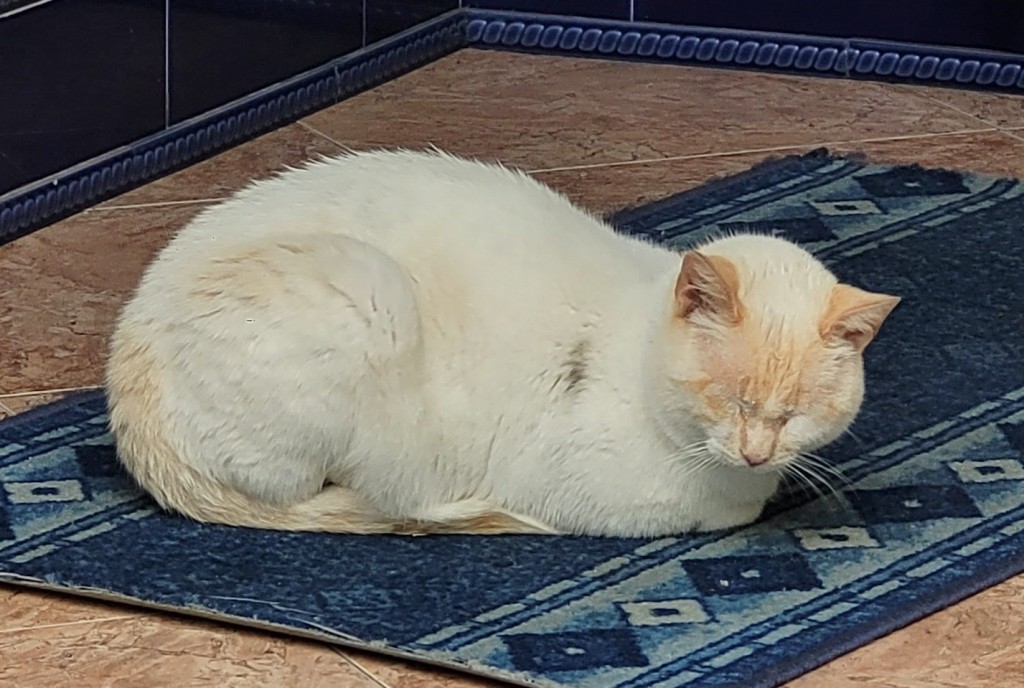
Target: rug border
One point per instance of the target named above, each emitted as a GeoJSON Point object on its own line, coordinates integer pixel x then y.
{"type": "Point", "coordinates": [70, 399]}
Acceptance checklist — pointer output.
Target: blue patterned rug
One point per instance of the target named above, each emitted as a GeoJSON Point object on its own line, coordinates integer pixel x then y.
{"type": "Point", "coordinates": [933, 511]}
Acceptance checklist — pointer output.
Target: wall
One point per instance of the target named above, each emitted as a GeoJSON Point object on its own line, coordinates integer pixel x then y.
{"type": "Point", "coordinates": [81, 77]}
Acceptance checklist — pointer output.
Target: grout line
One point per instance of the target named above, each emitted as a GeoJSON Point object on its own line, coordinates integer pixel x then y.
{"type": "Point", "coordinates": [38, 392]}
{"type": "Point", "coordinates": [360, 668]}
{"type": "Point", "coordinates": [954, 108]}
{"type": "Point", "coordinates": [1012, 133]}
{"type": "Point", "coordinates": [1008, 131]}
{"type": "Point", "coordinates": [364, 22]}
{"type": "Point", "coordinates": [104, 619]}
{"type": "Point", "coordinates": [314, 130]}
{"type": "Point", "coordinates": [6, 410]}
{"type": "Point", "coordinates": [156, 204]}
{"type": "Point", "coordinates": [749, 151]}
{"type": "Point", "coordinates": [167, 64]}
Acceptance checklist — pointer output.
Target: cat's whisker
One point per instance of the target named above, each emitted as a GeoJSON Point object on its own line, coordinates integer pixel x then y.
{"type": "Point", "coordinates": [802, 478]}
{"type": "Point", "coordinates": [837, 474]}
{"type": "Point", "coordinates": [813, 472]}
{"type": "Point", "coordinates": [698, 459]}
{"type": "Point", "coordinates": [694, 450]}
{"type": "Point", "coordinates": [698, 465]}
{"type": "Point", "coordinates": [822, 464]}
{"type": "Point", "coordinates": [858, 440]}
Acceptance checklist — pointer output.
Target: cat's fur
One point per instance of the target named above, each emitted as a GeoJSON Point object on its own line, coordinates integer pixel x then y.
{"type": "Point", "coordinates": [404, 342]}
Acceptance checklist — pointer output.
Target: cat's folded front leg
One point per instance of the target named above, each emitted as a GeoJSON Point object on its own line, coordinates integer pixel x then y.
{"type": "Point", "coordinates": [730, 515]}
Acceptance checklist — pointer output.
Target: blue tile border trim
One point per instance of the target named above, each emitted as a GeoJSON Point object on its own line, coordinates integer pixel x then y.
{"type": "Point", "coordinates": [48, 200]}
{"type": "Point", "coordinates": [44, 202]}
{"type": "Point", "coordinates": [808, 55]}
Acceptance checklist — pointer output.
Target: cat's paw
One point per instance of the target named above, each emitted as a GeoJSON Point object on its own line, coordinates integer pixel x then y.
{"type": "Point", "coordinates": [730, 516]}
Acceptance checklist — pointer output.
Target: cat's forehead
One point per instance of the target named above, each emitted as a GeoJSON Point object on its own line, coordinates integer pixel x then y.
{"type": "Point", "coordinates": [760, 368]}
{"type": "Point", "coordinates": [779, 283]}
{"type": "Point", "coordinates": [774, 370]}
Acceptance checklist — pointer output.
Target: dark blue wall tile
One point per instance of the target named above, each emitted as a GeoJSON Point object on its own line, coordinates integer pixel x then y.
{"type": "Point", "coordinates": [605, 9]}
{"type": "Point", "coordinates": [77, 78]}
{"type": "Point", "coordinates": [985, 24]}
{"type": "Point", "coordinates": [224, 49]}
{"type": "Point", "coordinates": [387, 17]}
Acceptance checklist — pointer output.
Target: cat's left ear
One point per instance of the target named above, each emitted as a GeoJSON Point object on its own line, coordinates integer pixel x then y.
{"type": "Point", "coordinates": [855, 315]}
{"type": "Point", "coordinates": [708, 285]}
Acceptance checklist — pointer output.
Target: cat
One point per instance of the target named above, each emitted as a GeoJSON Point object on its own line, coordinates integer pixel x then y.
{"type": "Point", "coordinates": [405, 342]}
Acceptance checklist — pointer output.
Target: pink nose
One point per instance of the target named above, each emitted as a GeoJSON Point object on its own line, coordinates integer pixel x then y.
{"type": "Point", "coordinates": [755, 458]}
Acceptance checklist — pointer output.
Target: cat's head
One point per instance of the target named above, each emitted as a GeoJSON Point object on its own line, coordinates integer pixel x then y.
{"type": "Point", "coordinates": [764, 351]}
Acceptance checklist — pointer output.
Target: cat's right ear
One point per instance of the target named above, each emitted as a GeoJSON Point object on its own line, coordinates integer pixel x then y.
{"type": "Point", "coordinates": [854, 315]}
{"type": "Point", "coordinates": [708, 285]}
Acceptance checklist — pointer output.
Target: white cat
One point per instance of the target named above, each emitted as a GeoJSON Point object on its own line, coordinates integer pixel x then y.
{"type": "Point", "coordinates": [406, 342]}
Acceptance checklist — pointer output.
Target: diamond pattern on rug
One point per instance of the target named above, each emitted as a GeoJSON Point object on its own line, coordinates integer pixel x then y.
{"type": "Point", "coordinates": [664, 612]}
{"type": "Point", "coordinates": [912, 181]}
{"type": "Point", "coordinates": [575, 651]}
{"type": "Point", "coordinates": [749, 575]}
{"type": "Point", "coordinates": [914, 503]}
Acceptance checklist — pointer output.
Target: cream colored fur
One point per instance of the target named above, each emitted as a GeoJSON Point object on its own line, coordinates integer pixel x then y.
{"type": "Point", "coordinates": [405, 342]}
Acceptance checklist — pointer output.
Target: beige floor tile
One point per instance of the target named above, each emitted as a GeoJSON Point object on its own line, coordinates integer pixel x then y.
{"type": "Point", "coordinates": [26, 609]}
{"type": "Point", "coordinates": [542, 111]}
{"type": "Point", "coordinates": [63, 288]}
{"type": "Point", "coordinates": [155, 650]}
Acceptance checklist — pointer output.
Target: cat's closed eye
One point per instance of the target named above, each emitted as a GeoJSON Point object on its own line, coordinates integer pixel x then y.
{"type": "Point", "coordinates": [747, 407]}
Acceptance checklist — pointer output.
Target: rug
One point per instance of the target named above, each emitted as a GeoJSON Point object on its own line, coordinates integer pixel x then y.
{"type": "Point", "coordinates": [933, 509]}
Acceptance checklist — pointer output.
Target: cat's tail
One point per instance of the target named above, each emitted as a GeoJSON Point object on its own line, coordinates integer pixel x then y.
{"type": "Point", "coordinates": [138, 424]}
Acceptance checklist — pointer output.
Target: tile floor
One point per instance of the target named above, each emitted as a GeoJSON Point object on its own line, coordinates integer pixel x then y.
{"type": "Point", "coordinates": [608, 134]}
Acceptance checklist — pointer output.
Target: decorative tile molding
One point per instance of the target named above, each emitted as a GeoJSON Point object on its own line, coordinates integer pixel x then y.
{"type": "Point", "coordinates": [48, 200]}
{"type": "Point", "coordinates": [749, 50]}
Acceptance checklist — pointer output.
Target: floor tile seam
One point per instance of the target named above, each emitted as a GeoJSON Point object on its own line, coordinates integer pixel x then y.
{"type": "Point", "coordinates": [762, 150]}
{"type": "Point", "coordinates": [6, 632]}
{"type": "Point", "coordinates": [40, 392]}
{"type": "Point", "coordinates": [355, 664]}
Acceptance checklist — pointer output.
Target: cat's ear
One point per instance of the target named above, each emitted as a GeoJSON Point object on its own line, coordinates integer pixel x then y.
{"type": "Point", "coordinates": [855, 315]}
{"type": "Point", "coordinates": [708, 285]}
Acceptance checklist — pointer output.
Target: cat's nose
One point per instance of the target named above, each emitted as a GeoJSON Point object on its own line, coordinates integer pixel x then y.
{"type": "Point", "coordinates": [755, 458]}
